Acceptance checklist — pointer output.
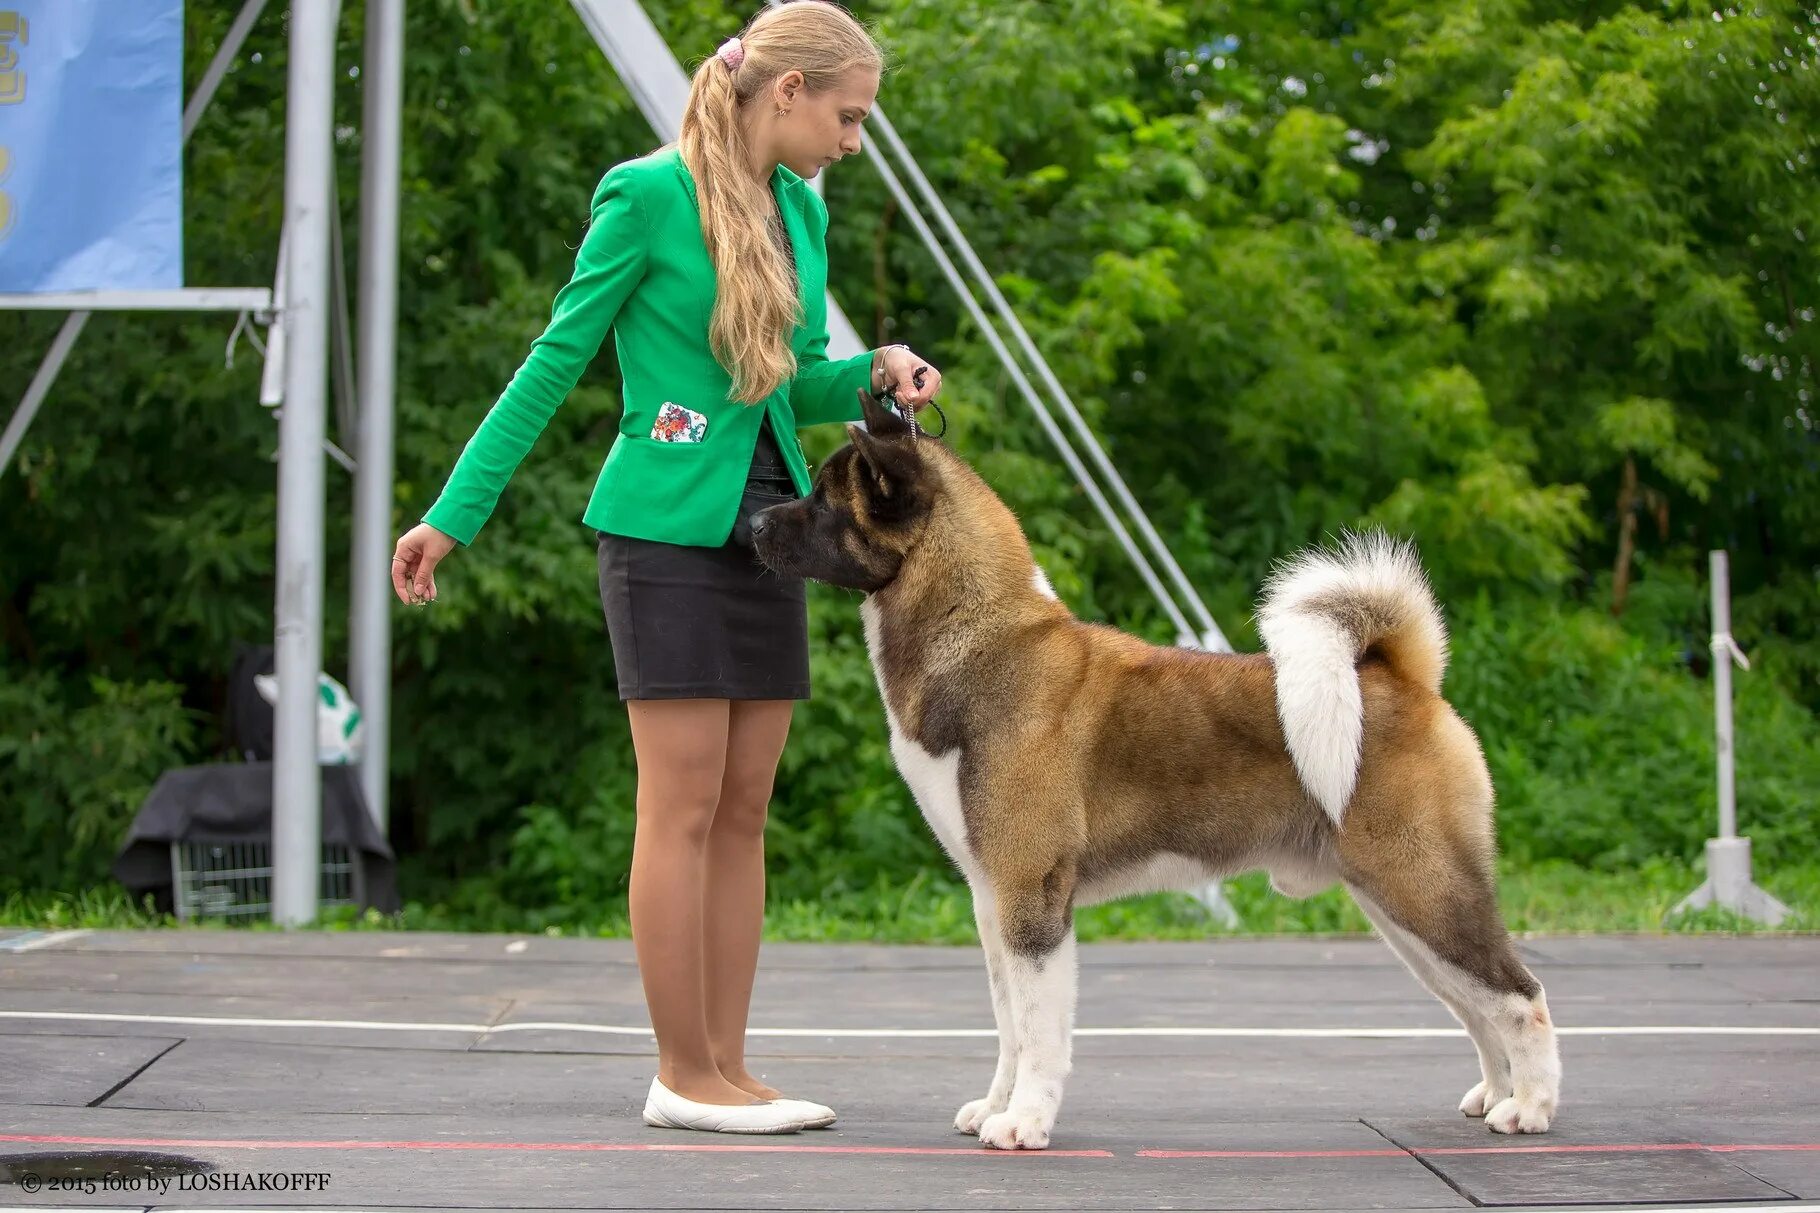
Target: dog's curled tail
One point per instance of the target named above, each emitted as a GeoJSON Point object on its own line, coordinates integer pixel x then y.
{"type": "Point", "coordinates": [1320, 612]}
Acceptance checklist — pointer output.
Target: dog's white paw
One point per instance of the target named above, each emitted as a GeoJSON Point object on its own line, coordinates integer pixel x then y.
{"type": "Point", "coordinates": [1519, 1116]}
{"type": "Point", "coordinates": [976, 1112]}
{"type": "Point", "coordinates": [1482, 1099]}
{"type": "Point", "coordinates": [1017, 1131]}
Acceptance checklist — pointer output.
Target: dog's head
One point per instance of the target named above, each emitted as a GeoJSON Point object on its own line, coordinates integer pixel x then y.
{"type": "Point", "coordinates": [870, 506]}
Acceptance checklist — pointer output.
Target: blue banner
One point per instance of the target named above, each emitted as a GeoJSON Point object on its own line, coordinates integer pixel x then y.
{"type": "Point", "coordinates": [91, 145]}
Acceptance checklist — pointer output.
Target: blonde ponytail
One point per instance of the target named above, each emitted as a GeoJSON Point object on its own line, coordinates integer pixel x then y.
{"type": "Point", "coordinates": [756, 303]}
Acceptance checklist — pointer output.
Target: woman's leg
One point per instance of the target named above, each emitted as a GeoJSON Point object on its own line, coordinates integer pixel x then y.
{"type": "Point", "coordinates": [681, 746]}
{"type": "Point", "coordinates": [735, 902]}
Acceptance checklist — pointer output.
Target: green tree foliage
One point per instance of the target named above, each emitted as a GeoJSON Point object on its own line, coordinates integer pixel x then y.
{"type": "Point", "coordinates": [1531, 282]}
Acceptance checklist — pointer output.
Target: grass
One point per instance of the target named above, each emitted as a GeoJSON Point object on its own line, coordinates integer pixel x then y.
{"type": "Point", "coordinates": [933, 908]}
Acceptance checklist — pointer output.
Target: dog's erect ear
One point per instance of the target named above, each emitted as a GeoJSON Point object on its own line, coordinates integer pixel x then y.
{"type": "Point", "coordinates": [880, 420]}
{"type": "Point", "coordinates": [889, 463]}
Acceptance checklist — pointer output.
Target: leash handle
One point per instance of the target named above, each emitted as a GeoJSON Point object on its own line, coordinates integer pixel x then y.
{"type": "Point", "coordinates": [888, 397]}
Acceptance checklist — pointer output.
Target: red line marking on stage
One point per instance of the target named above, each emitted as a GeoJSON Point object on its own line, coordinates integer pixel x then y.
{"type": "Point", "coordinates": [1629, 1148]}
{"type": "Point", "coordinates": [1273, 1153]}
{"type": "Point", "coordinates": [577, 1146]}
{"type": "Point", "coordinates": [719, 1148]}
{"type": "Point", "coordinates": [1654, 1147]}
{"type": "Point", "coordinates": [1640, 1148]}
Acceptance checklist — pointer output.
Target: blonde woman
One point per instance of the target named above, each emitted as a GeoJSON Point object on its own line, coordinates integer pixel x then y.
{"type": "Point", "coordinates": [707, 261]}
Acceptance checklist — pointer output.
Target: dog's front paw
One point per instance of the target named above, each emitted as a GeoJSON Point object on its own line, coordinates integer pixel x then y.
{"type": "Point", "coordinates": [1016, 1131]}
{"type": "Point", "coordinates": [974, 1114]}
{"type": "Point", "coordinates": [1482, 1099]}
{"type": "Point", "coordinates": [1514, 1115]}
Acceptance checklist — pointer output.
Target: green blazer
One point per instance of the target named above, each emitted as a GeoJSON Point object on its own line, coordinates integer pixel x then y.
{"type": "Point", "coordinates": [643, 271]}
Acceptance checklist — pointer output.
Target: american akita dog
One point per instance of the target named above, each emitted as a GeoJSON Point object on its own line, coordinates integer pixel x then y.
{"type": "Point", "coordinates": [1063, 763]}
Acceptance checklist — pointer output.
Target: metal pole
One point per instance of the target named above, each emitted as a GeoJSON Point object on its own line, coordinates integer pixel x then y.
{"type": "Point", "coordinates": [370, 666]}
{"type": "Point", "coordinates": [296, 777]}
{"type": "Point", "coordinates": [1722, 692]}
{"type": "Point", "coordinates": [271, 377]}
{"type": "Point", "coordinates": [1043, 415]}
{"type": "Point", "coordinates": [40, 386]}
{"type": "Point", "coordinates": [341, 329]}
{"type": "Point", "coordinates": [642, 60]}
{"type": "Point", "coordinates": [1211, 637]}
{"type": "Point", "coordinates": [218, 66]}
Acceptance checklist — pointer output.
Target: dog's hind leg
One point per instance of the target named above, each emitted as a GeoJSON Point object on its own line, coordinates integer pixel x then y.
{"type": "Point", "coordinates": [1036, 929]}
{"type": "Point", "coordinates": [975, 1113]}
{"type": "Point", "coordinates": [1433, 899]}
{"type": "Point", "coordinates": [1494, 1067]}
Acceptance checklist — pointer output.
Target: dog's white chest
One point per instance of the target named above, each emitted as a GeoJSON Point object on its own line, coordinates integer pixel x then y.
{"type": "Point", "coordinates": [934, 780]}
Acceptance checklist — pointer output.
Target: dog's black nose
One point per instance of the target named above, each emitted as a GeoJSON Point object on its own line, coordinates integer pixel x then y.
{"type": "Point", "coordinates": [760, 522]}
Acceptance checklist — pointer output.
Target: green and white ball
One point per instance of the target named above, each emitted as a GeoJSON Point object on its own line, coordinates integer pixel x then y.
{"type": "Point", "coordinates": [338, 731]}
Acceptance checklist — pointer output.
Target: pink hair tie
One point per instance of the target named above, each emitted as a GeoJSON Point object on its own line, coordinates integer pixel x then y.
{"type": "Point", "coordinates": [732, 54]}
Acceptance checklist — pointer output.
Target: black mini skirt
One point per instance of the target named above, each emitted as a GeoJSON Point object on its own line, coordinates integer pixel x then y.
{"type": "Point", "coordinates": [691, 622]}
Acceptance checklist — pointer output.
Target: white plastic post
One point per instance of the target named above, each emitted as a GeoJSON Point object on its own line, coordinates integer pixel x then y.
{"type": "Point", "coordinates": [1728, 864]}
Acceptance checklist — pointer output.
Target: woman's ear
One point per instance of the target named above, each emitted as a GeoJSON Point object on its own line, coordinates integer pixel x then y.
{"type": "Point", "coordinates": [788, 87]}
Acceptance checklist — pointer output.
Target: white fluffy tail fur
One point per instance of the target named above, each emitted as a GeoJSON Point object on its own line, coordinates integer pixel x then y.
{"type": "Point", "coordinates": [1320, 612]}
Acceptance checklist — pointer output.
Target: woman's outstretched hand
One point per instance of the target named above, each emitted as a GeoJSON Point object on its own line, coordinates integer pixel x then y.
{"type": "Point", "coordinates": [414, 563]}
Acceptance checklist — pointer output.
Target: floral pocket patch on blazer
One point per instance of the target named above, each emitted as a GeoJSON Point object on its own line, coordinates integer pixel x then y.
{"type": "Point", "coordinates": [678, 424]}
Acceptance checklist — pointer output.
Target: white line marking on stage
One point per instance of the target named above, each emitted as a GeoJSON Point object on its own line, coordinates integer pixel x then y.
{"type": "Point", "coordinates": [31, 941]}
{"type": "Point", "coordinates": [480, 1029]}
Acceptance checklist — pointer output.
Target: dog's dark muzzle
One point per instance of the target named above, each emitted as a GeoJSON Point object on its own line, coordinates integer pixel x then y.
{"type": "Point", "coordinates": [800, 539]}
{"type": "Point", "coordinates": [771, 529]}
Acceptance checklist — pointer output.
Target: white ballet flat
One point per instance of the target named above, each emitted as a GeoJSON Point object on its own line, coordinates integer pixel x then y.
{"type": "Point", "coordinates": [665, 1109]}
{"type": "Point", "coordinates": [815, 1116]}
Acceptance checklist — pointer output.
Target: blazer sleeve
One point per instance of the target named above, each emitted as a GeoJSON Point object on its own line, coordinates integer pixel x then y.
{"type": "Point", "coordinates": [609, 264]}
{"type": "Point", "coordinates": [824, 391]}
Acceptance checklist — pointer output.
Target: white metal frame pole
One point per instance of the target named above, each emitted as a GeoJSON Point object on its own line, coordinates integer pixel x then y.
{"type": "Point", "coordinates": [1210, 637]}
{"type": "Point", "coordinates": [370, 664]}
{"type": "Point", "coordinates": [1043, 415]}
{"type": "Point", "coordinates": [40, 386]}
{"type": "Point", "coordinates": [296, 777]}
